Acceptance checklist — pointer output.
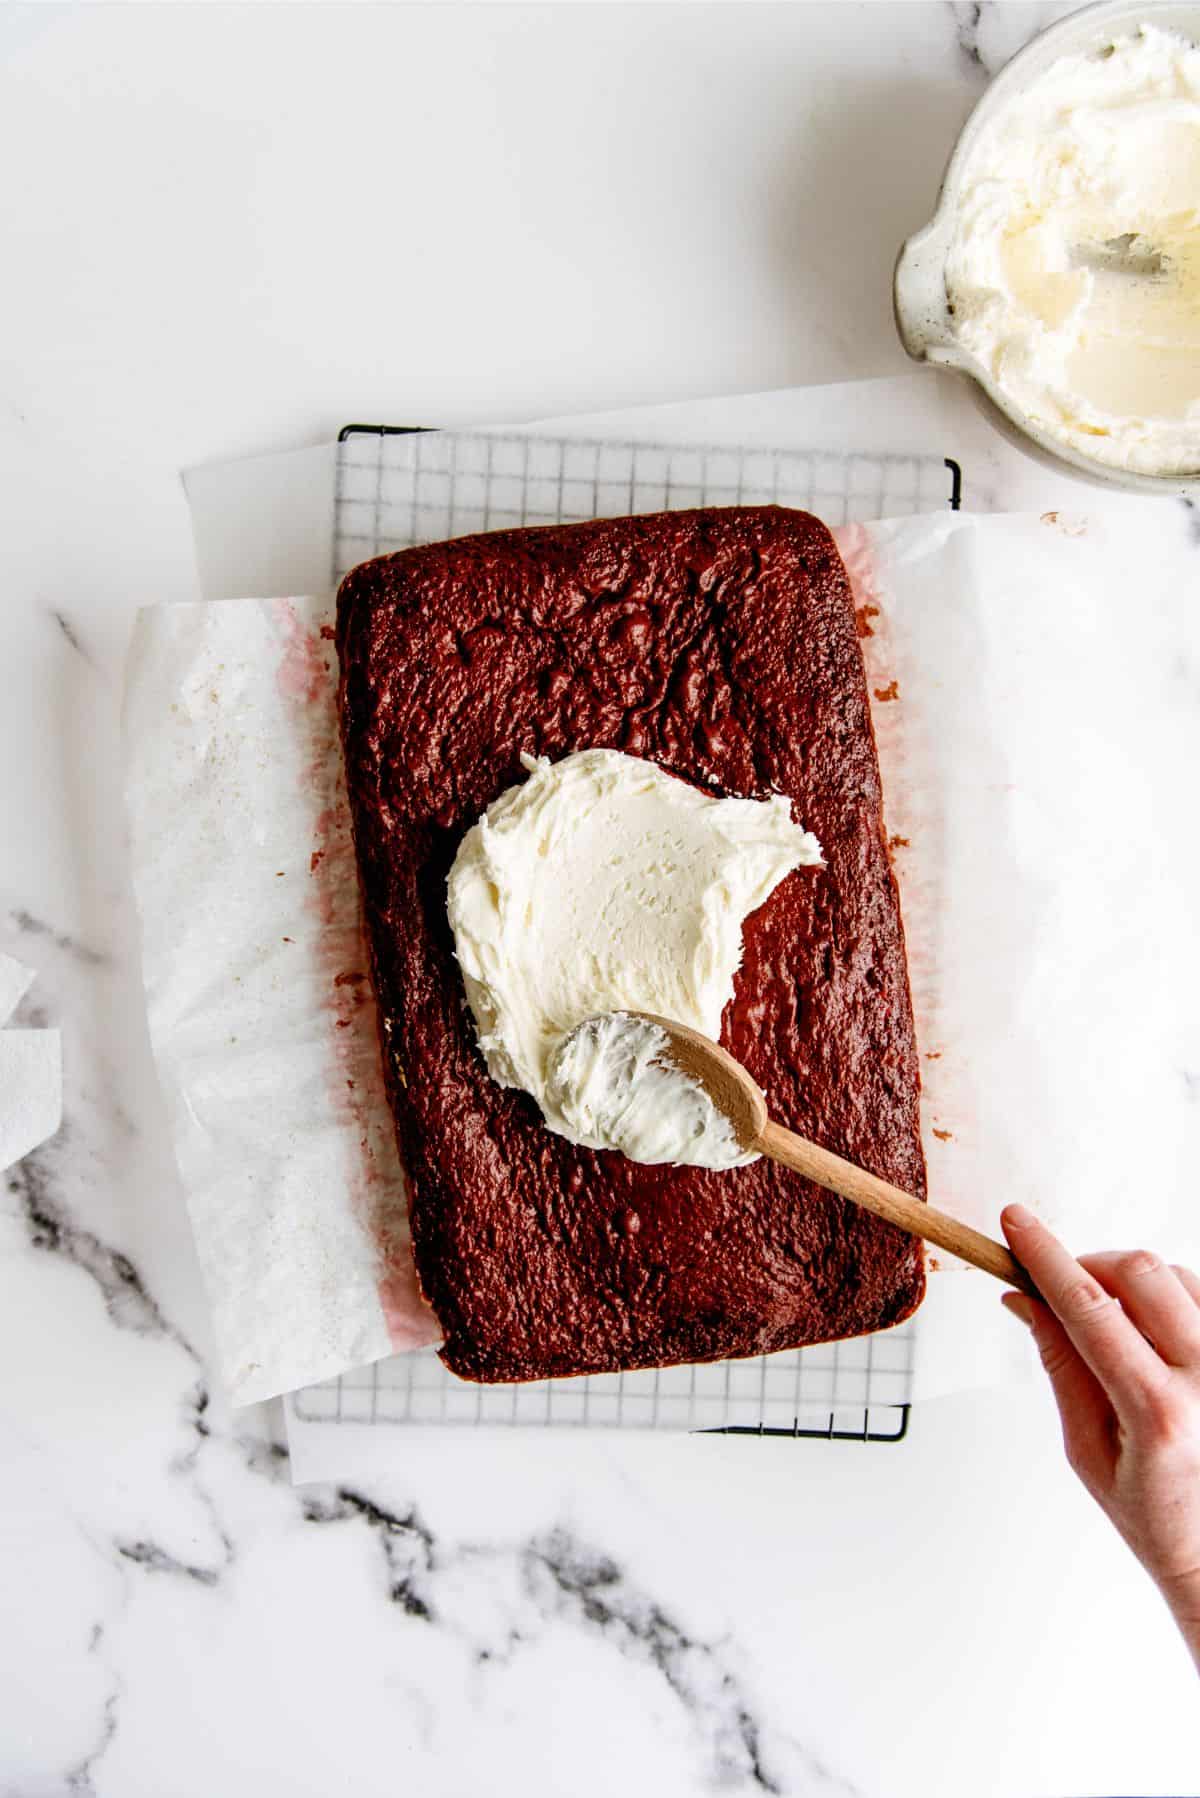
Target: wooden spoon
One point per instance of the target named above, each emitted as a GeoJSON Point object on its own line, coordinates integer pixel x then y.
{"type": "Point", "coordinates": [733, 1092]}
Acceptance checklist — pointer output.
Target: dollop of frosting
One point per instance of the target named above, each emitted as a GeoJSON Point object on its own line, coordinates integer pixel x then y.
{"type": "Point", "coordinates": [613, 1082]}
{"type": "Point", "coordinates": [602, 884]}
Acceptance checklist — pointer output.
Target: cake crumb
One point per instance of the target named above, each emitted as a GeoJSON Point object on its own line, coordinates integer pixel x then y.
{"type": "Point", "coordinates": [1070, 525]}
{"type": "Point", "coordinates": [891, 691]}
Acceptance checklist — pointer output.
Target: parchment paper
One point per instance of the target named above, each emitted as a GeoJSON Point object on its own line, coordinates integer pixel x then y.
{"type": "Point", "coordinates": [1036, 691]}
{"type": "Point", "coordinates": [260, 1009]}
{"type": "Point", "coordinates": [1036, 696]}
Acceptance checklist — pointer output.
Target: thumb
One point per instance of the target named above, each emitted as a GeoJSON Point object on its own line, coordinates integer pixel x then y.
{"type": "Point", "coordinates": [1059, 1355]}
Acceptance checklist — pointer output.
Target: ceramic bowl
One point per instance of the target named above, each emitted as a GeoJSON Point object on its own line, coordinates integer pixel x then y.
{"type": "Point", "coordinates": [919, 291]}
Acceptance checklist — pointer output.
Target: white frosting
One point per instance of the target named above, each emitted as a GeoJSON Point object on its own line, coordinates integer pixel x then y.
{"type": "Point", "coordinates": [1099, 147]}
{"type": "Point", "coordinates": [610, 1082]}
{"type": "Point", "coordinates": [603, 884]}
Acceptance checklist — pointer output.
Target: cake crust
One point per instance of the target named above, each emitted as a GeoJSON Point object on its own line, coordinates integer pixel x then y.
{"type": "Point", "coordinates": [722, 644]}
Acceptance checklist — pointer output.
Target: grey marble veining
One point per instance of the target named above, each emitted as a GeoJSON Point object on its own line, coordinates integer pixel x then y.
{"type": "Point", "coordinates": [51, 1230]}
{"type": "Point", "coordinates": [72, 636]}
{"type": "Point", "coordinates": [495, 1600]}
{"type": "Point", "coordinates": [989, 32]}
{"type": "Point", "coordinates": [28, 930]}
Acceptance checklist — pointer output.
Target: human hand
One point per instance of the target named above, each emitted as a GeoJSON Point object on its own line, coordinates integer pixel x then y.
{"type": "Point", "coordinates": [1119, 1337]}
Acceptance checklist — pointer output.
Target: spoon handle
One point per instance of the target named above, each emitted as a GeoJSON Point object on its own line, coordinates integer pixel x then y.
{"type": "Point", "coordinates": [896, 1207]}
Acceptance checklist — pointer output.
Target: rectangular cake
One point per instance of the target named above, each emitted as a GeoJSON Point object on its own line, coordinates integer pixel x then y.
{"type": "Point", "coordinates": [721, 644]}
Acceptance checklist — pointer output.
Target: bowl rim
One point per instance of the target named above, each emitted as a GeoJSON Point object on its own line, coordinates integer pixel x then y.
{"type": "Point", "coordinates": [934, 342]}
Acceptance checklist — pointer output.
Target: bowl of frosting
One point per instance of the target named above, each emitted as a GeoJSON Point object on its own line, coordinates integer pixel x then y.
{"type": "Point", "coordinates": [1061, 270]}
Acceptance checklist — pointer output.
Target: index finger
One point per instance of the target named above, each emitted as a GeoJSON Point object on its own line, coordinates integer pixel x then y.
{"type": "Point", "coordinates": [1118, 1354]}
{"type": "Point", "coordinates": [1156, 1298]}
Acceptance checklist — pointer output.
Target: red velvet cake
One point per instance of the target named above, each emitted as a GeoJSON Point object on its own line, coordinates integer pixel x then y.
{"type": "Point", "coordinates": [722, 645]}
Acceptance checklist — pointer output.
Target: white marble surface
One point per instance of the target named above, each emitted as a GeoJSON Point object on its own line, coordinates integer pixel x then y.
{"type": "Point", "coordinates": [231, 229]}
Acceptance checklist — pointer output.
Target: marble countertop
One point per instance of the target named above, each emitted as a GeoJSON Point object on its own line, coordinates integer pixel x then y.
{"type": "Point", "coordinates": [232, 230]}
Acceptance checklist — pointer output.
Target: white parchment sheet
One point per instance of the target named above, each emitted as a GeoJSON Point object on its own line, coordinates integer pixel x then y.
{"type": "Point", "coordinates": [1035, 690]}
{"type": "Point", "coordinates": [260, 1008]}
{"type": "Point", "coordinates": [1036, 693]}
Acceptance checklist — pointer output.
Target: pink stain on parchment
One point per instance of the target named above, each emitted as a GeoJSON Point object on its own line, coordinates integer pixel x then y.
{"type": "Point", "coordinates": [914, 827]}
{"type": "Point", "coordinates": [307, 676]}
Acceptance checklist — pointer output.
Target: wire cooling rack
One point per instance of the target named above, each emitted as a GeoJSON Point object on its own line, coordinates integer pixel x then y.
{"type": "Point", "coordinates": [859, 1389]}
{"type": "Point", "coordinates": [397, 486]}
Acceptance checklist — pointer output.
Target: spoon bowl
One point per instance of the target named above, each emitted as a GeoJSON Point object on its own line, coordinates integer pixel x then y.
{"type": "Point", "coordinates": [736, 1094]}
{"type": "Point", "coordinates": [728, 1085]}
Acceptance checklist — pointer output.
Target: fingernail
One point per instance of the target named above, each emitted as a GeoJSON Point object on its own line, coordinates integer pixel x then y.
{"type": "Point", "coordinates": [1018, 1218]}
{"type": "Point", "coordinates": [1019, 1306]}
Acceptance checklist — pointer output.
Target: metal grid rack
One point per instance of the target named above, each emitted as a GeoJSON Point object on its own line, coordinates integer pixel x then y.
{"type": "Point", "coordinates": [399, 485]}
{"type": "Point", "coordinates": [857, 1389]}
